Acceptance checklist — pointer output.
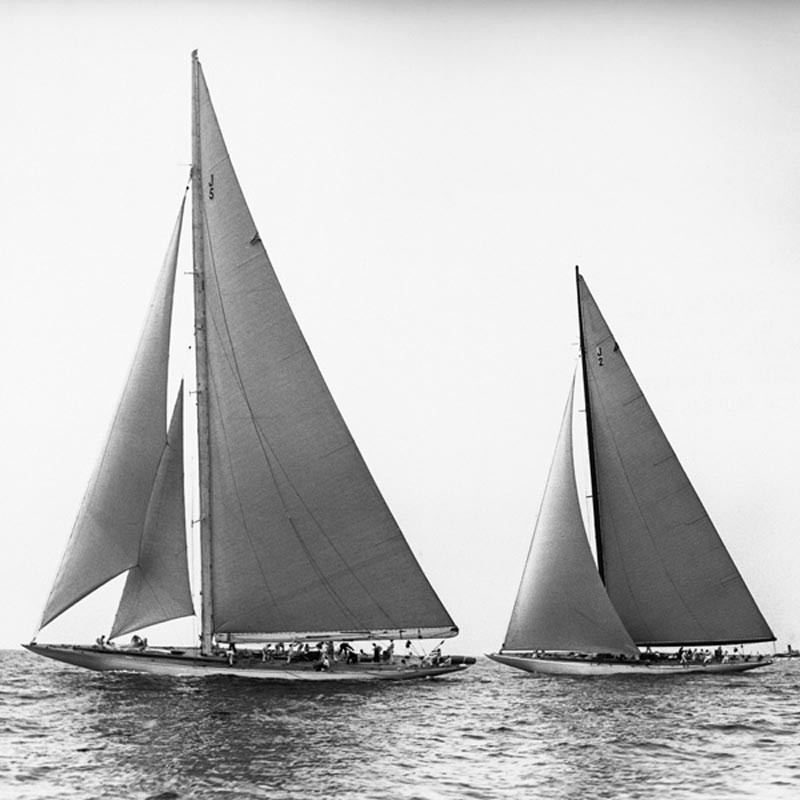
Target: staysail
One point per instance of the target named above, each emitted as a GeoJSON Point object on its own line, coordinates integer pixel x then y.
{"type": "Point", "coordinates": [562, 604]}
{"type": "Point", "coordinates": [107, 534]}
{"type": "Point", "coordinates": [301, 539]}
{"type": "Point", "coordinates": [157, 588]}
{"type": "Point", "coordinates": [665, 567]}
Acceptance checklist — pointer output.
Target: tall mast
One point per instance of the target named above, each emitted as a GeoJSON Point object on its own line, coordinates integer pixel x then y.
{"type": "Point", "coordinates": [201, 360]}
{"type": "Point", "coordinates": [589, 434]}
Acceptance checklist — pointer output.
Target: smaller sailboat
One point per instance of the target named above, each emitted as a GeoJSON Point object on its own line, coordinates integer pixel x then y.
{"type": "Point", "coordinates": [662, 578]}
{"type": "Point", "coordinates": [301, 557]}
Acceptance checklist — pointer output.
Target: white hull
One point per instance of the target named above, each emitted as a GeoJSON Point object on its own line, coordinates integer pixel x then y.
{"type": "Point", "coordinates": [186, 664]}
{"type": "Point", "coordinates": [595, 668]}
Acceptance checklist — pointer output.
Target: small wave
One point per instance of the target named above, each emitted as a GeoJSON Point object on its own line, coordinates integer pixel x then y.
{"type": "Point", "coordinates": [730, 727]}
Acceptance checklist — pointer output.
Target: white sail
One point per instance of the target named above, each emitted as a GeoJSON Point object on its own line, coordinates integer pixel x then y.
{"type": "Point", "coordinates": [301, 539]}
{"type": "Point", "coordinates": [562, 604]}
{"type": "Point", "coordinates": [157, 588]}
{"type": "Point", "coordinates": [665, 567]}
{"type": "Point", "coordinates": [107, 534]}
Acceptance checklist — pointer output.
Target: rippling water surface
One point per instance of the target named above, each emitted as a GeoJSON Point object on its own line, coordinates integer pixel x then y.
{"type": "Point", "coordinates": [489, 733]}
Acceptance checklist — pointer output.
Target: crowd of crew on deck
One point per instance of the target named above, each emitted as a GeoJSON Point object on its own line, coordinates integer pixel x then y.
{"type": "Point", "coordinates": [685, 656]}
{"type": "Point", "coordinates": [137, 643]}
{"type": "Point", "coordinates": [323, 655]}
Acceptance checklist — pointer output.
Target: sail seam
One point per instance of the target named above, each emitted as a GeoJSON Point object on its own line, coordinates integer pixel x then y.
{"type": "Point", "coordinates": [626, 403]}
{"type": "Point", "coordinates": [330, 453]}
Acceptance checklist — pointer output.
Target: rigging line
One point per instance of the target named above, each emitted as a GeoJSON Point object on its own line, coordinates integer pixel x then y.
{"type": "Point", "coordinates": [234, 367]}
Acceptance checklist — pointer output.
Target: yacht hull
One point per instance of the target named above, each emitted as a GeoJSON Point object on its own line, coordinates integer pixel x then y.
{"type": "Point", "coordinates": [597, 668]}
{"type": "Point", "coordinates": [188, 663]}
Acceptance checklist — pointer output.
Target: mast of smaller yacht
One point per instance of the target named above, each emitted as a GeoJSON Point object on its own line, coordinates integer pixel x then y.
{"type": "Point", "coordinates": [201, 362]}
{"type": "Point", "coordinates": [589, 434]}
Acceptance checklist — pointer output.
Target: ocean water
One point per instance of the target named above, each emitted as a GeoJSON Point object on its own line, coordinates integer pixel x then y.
{"type": "Point", "coordinates": [491, 732]}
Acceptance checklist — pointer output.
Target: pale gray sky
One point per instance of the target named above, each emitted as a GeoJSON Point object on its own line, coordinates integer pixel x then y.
{"type": "Point", "coordinates": [425, 177]}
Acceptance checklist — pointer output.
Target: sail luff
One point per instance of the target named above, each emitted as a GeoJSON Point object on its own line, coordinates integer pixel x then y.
{"type": "Point", "coordinates": [589, 433]}
{"type": "Point", "coordinates": [201, 362]}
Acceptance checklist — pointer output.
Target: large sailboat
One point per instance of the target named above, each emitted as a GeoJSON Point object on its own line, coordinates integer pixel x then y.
{"type": "Point", "coordinates": [662, 576]}
{"type": "Point", "coordinates": [301, 557]}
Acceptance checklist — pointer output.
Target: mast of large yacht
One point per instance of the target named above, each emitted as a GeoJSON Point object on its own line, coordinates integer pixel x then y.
{"type": "Point", "coordinates": [587, 403]}
{"type": "Point", "coordinates": [201, 360]}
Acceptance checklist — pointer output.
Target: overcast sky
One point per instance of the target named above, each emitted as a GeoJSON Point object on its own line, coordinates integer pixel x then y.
{"type": "Point", "coordinates": [425, 177]}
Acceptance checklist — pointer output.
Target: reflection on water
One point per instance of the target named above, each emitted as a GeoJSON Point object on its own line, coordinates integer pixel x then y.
{"type": "Point", "coordinates": [489, 733]}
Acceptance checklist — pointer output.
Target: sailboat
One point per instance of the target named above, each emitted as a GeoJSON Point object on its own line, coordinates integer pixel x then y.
{"type": "Point", "coordinates": [662, 576]}
{"type": "Point", "coordinates": [299, 552]}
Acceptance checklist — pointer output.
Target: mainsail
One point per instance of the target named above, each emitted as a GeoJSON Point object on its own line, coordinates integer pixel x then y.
{"type": "Point", "coordinates": [665, 567]}
{"type": "Point", "coordinates": [107, 536]}
{"type": "Point", "coordinates": [561, 603]}
{"type": "Point", "coordinates": [300, 539]}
